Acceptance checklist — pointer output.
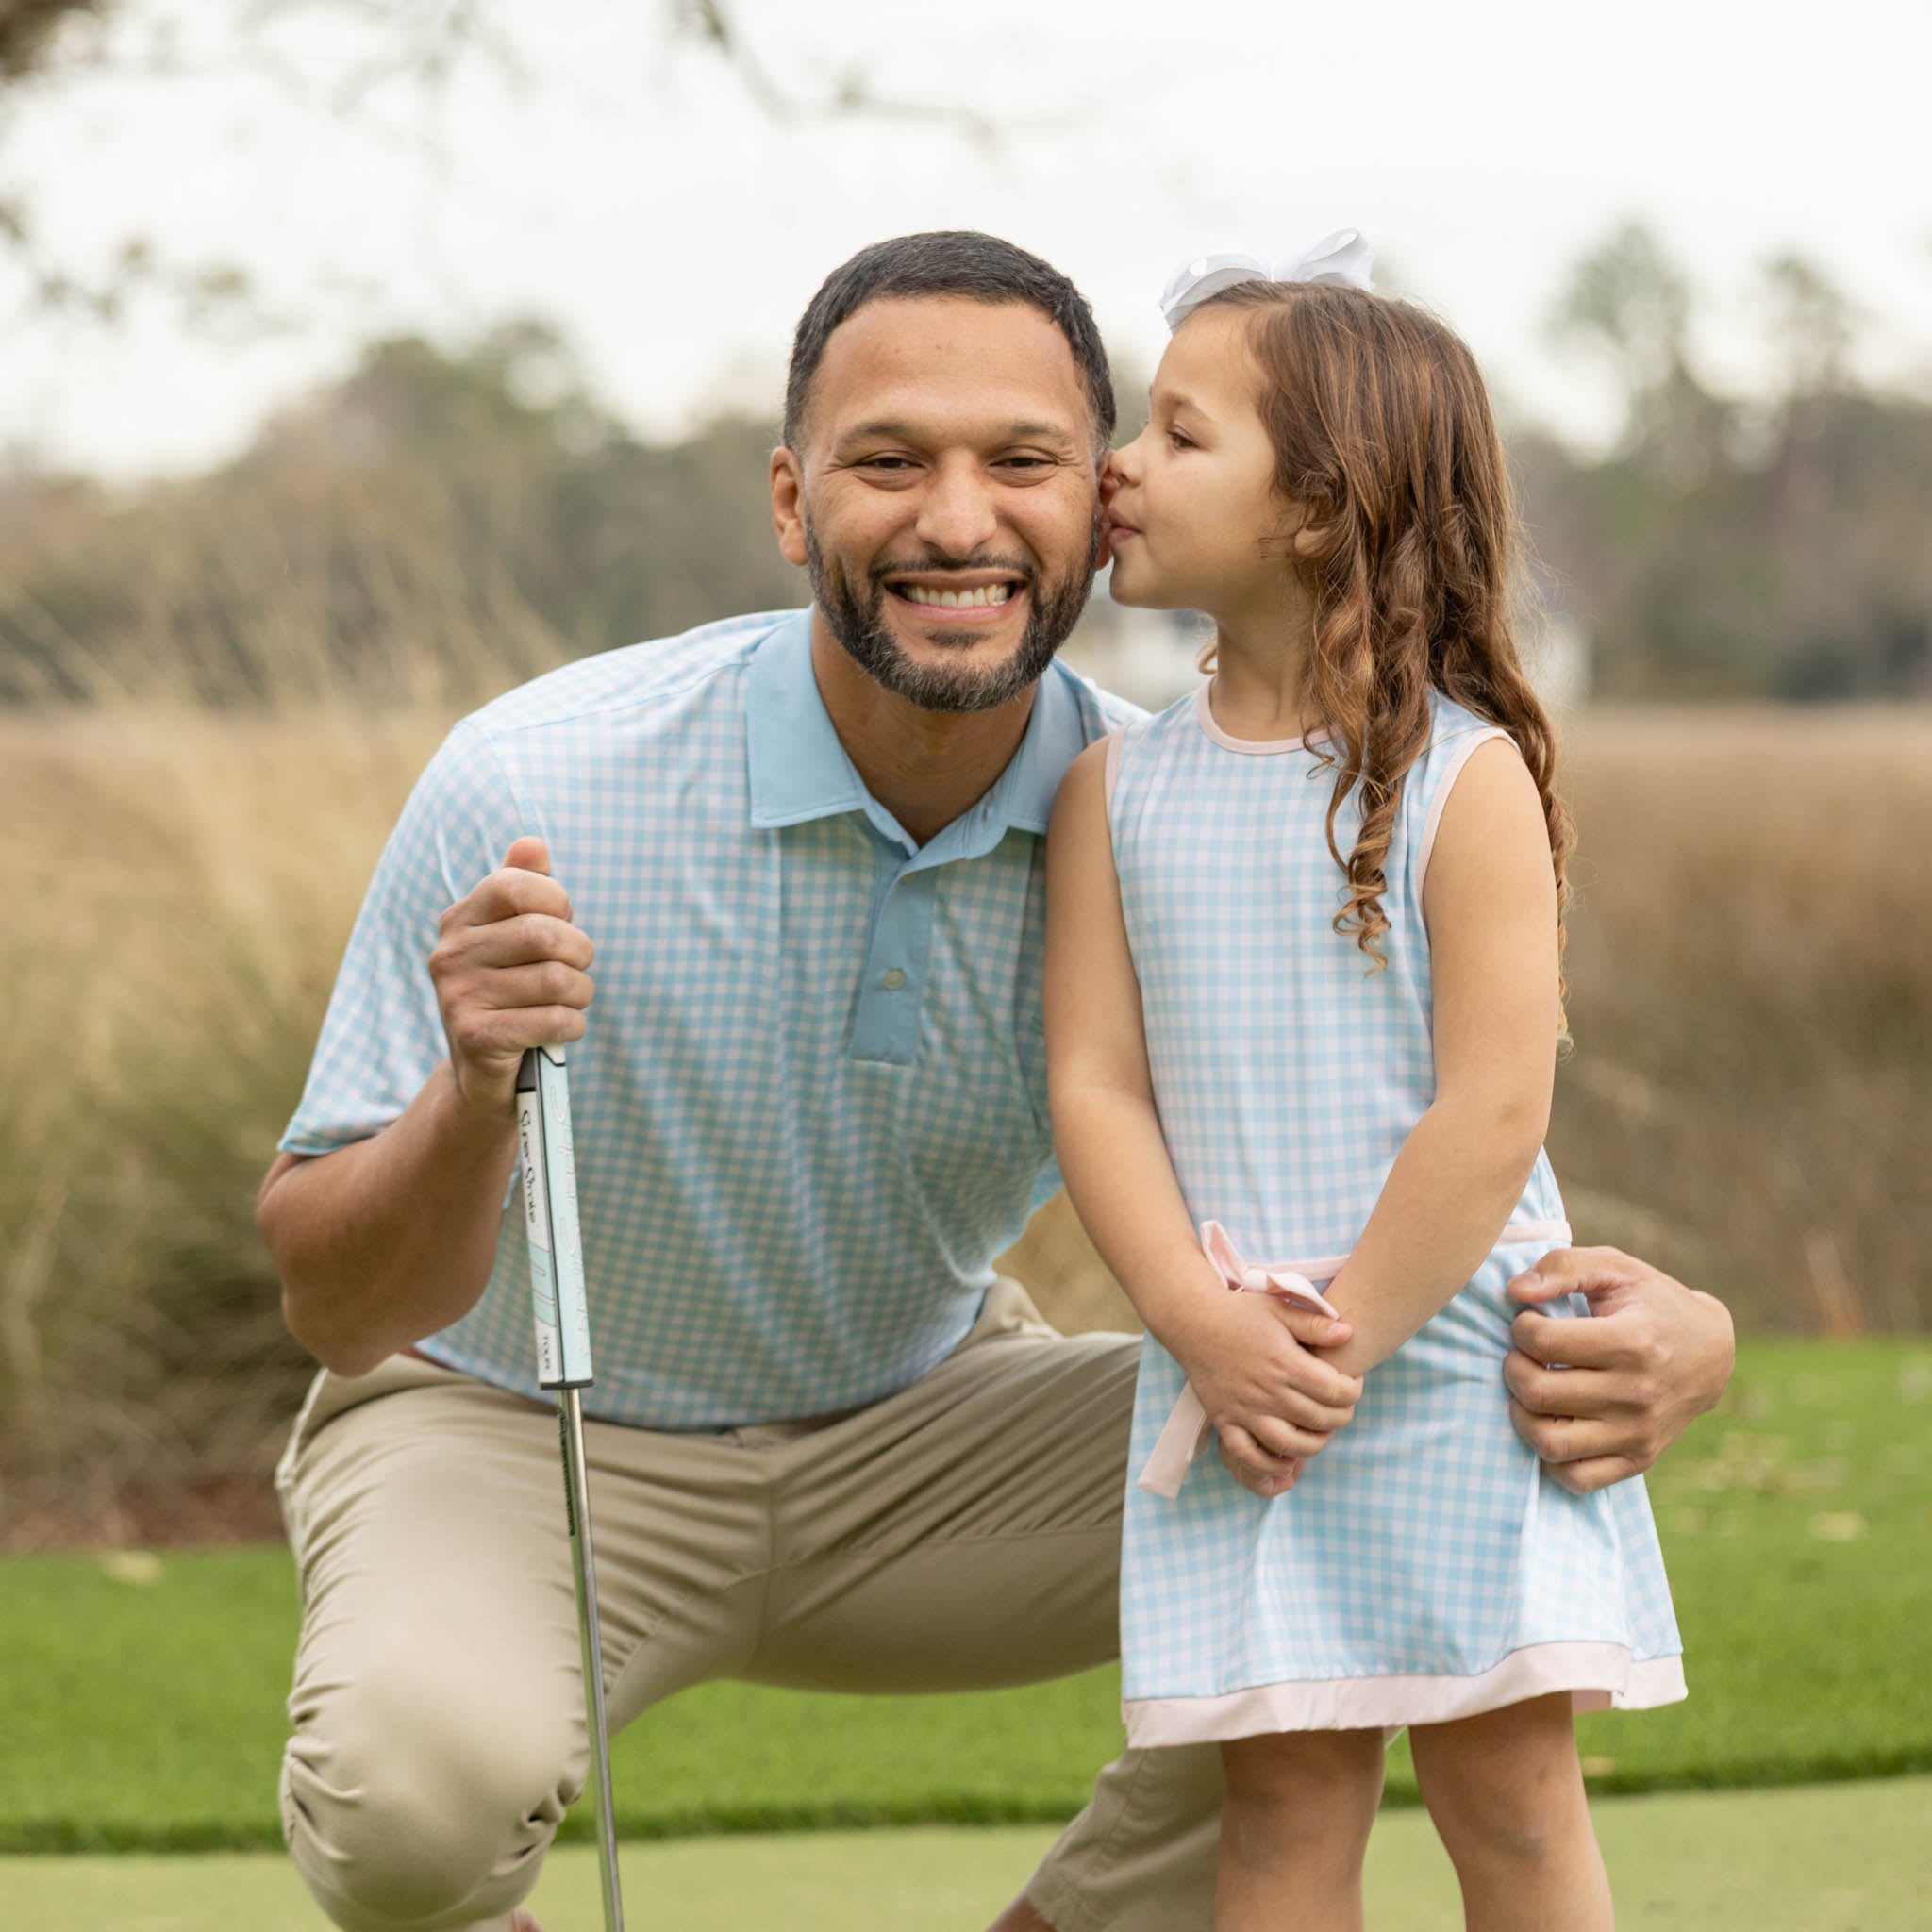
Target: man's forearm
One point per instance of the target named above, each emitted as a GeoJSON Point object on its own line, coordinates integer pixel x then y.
{"type": "Point", "coordinates": [390, 1239]}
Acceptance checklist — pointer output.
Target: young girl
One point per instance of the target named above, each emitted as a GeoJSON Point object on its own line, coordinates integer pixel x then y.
{"type": "Point", "coordinates": [1303, 1009]}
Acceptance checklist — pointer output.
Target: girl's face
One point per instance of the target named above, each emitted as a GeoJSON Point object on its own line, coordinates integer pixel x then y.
{"type": "Point", "coordinates": [1195, 521]}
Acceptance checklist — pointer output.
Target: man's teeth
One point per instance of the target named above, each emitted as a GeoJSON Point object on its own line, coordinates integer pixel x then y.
{"type": "Point", "coordinates": [959, 599]}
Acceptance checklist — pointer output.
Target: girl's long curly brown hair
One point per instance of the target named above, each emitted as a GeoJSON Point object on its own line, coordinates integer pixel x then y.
{"type": "Point", "coordinates": [1382, 429]}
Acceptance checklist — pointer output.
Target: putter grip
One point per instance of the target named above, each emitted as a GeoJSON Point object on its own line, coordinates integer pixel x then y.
{"type": "Point", "coordinates": [550, 1221]}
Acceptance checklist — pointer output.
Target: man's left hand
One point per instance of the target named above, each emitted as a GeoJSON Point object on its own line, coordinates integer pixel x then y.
{"type": "Point", "coordinates": [1649, 1359]}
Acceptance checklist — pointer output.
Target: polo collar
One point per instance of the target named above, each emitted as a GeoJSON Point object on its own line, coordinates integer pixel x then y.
{"type": "Point", "coordinates": [799, 769]}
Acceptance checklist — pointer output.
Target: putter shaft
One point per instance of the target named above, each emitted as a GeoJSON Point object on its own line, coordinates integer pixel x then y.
{"type": "Point", "coordinates": [570, 1419]}
{"type": "Point", "coordinates": [564, 1363]}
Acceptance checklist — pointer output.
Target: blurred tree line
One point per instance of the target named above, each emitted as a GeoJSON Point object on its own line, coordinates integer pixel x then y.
{"type": "Point", "coordinates": [445, 517]}
{"type": "Point", "coordinates": [429, 523]}
{"type": "Point", "coordinates": [1777, 546]}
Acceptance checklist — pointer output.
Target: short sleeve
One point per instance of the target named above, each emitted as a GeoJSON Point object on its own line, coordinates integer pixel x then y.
{"type": "Point", "coordinates": [382, 1037]}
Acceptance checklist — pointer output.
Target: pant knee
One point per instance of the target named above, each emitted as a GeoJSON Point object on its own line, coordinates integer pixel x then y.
{"type": "Point", "coordinates": [406, 1812]}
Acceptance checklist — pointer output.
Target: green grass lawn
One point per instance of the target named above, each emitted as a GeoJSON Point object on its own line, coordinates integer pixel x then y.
{"type": "Point", "coordinates": [146, 1714]}
{"type": "Point", "coordinates": [1834, 1858]}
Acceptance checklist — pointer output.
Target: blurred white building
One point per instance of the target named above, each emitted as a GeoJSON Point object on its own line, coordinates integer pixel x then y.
{"type": "Point", "coordinates": [1151, 655]}
{"type": "Point", "coordinates": [1556, 655]}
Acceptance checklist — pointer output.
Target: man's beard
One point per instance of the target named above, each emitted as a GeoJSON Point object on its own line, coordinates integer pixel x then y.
{"type": "Point", "coordinates": [856, 618]}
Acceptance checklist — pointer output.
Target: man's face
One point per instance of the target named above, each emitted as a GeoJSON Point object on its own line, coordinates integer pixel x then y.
{"type": "Point", "coordinates": [947, 498]}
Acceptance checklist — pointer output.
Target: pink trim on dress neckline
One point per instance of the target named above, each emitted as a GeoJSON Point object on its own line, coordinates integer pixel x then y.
{"type": "Point", "coordinates": [1204, 716]}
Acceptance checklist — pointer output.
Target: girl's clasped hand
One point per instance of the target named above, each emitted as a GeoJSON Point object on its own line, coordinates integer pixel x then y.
{"type": "Point", "coordinates": [1256, 1366]}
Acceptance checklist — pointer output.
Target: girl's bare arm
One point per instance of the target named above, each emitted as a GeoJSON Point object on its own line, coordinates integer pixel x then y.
{"type": "Point", "coordinates": [1489, 900]}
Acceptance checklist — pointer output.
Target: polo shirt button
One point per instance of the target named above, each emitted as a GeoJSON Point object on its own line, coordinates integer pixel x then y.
{"type": "Point", "coordinates": [892, 980]}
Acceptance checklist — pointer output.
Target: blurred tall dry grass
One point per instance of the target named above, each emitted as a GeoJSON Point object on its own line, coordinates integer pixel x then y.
{"type": "Point", "coordinates": [181, 885]}
{"type": "Point", "coordinates": [1748, 1105]}
{"type": "Point", "coordinates": [1753, 1098]}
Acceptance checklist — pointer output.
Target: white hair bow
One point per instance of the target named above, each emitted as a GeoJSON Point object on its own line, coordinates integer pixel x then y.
{"type": "Point", "coordinates": [1343, 257]}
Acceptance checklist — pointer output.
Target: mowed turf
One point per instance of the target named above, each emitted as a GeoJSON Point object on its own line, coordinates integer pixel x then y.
{"type": "Point", "coordinates": [1841, 1857]}
{"type": "Point", "coordinates": [143, 1702]}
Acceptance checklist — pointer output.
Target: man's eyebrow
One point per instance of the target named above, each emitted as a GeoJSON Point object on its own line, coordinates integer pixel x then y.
{"type": "Point", "coordinates": [1039, 432]}
{"type": "Point", "coordinates": [889, 429]}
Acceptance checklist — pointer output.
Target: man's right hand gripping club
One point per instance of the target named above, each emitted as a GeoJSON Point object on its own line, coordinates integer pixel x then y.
{"type": "Point", "coordinates": [511, 972]}
{"type": "Point", "coordinates": [390, 1239]}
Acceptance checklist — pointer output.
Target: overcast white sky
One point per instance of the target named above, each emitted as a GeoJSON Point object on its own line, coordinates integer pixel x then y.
{"type": "Point", "coordinates": [645, 204]}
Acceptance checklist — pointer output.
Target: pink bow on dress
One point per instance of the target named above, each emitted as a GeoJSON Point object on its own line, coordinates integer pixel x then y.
{"type": "Point", "coordinates": [1187, 1429]}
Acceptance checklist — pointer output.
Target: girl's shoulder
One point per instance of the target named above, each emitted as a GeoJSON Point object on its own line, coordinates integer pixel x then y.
{"type": "Point", "coordinates": [1149, 736]}
{"type": "Point", "coordinates": [1455, 733]}
{"type": "Point", "coordinates": [1450, 721]}
{"type": "Point", "coordinates": [1156, 728]}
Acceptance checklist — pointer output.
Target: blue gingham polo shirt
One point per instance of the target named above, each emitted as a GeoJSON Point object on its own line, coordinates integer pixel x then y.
{"type": "Point", "coordinates": [810, 1107]}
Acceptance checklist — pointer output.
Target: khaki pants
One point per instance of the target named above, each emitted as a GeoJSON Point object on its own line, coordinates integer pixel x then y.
{"type": "Point", "coordinates": [962, 1532]}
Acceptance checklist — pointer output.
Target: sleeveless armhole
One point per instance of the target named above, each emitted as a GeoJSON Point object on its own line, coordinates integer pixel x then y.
{"type": "Point", "coordinates": [1110, 775]}
{"type": "Point", "coordinates": [1457, 758]}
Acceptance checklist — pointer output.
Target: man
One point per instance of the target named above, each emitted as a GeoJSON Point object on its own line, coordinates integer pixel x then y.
{"type": "Point", "coordinates": [803, 853]}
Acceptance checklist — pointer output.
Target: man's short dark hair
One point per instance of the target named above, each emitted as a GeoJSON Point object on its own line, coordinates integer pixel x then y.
{"type": "Point", "coordinates": [947, 262]}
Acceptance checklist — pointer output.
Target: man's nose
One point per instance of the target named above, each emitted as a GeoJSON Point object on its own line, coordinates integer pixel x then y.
{"type": "Point", "coordinates": [956, 515]}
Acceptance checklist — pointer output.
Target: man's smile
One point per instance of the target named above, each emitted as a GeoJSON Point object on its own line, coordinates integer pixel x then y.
{"type": "Point", "coordinates": [969, 597]}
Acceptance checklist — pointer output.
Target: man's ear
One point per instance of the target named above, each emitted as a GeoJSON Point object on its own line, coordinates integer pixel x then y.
{"type": "Point", "coordinates": [787, 505]}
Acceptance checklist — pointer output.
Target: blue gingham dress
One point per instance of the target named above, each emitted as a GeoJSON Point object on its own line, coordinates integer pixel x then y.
{"type": "Point", "coordinates": [1425, 1567]}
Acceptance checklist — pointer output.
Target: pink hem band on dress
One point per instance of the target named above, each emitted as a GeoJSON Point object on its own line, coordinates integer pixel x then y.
{"type": "Point", "coordinates": [1186, 1430]}
{"type": "Point", "coordinates": [1599, 1676]}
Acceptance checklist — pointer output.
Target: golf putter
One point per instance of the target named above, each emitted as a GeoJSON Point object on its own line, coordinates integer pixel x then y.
{"type": "Point", "coordinates": [564, 1363]}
